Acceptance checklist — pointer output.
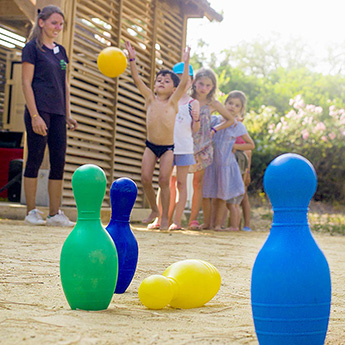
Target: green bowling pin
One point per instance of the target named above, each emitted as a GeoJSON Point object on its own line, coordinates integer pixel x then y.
{"type": "Point", "coordinates": [89, 262]}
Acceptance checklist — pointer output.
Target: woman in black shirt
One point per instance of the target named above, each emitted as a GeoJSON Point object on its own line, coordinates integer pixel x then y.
{"type": "Point", "coordinates": [47, 112]}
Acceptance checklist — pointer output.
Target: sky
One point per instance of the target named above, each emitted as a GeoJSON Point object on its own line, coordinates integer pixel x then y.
{"type": "Point", "coordinates": [320, 23]}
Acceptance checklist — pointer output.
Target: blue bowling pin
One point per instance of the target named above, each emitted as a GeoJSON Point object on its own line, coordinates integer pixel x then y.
{"type": "Point", "coordinates": [291, 283]}
{"type": "Point", "coordinates": [123, 193]}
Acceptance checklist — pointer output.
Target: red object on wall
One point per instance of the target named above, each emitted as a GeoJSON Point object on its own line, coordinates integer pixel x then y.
{"type": "Point", "coordinates": [6, 156]}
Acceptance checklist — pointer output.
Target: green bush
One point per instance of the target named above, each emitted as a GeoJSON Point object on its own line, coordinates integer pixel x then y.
{"type": "Point", "coordinates": [309, 130]}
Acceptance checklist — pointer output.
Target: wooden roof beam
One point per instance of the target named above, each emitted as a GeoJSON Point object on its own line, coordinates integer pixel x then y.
{"type": "Point", "coordinates": [10, 11]}
{"type": "Point", "coordinates": [200, 9]}
{"type": "Point", "coordinates": [28, 7]}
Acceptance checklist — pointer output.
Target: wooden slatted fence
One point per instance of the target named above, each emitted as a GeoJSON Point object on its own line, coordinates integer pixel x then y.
{"type": "Point", "coordinates": [111, 112]}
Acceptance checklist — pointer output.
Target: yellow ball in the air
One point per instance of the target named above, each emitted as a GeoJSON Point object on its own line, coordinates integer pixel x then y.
{"type": "Point", "coordinates": [112, 62]}
{"type": "Point", "coordinates": [155, 292]}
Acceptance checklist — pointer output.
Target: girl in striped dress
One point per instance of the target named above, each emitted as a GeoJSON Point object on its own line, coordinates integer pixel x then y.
{"type": "Point", "coordinates": [203, 89]}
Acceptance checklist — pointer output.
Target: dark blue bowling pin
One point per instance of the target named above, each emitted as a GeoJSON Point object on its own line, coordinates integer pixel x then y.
{"type": "Point", "coordinates": [291, 283]}
{"type": "Point", "coordinates": [123, 193]}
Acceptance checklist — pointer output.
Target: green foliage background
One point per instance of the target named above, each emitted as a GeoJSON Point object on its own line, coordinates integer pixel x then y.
{"type": "Point", "coordinates": [291, 107]}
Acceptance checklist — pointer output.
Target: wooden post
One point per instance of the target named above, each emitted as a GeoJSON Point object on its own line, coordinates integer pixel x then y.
{"type": "Point", "coordinates": [154, 40]}
{"type": "Point", "coordinates": [116, 88]}
{"type": "Point", "coordinates": [153, 63]}
{"type": "Point", "coordinates": [69, 10]}
{"type": "Point", "coordinates": [184, 34]}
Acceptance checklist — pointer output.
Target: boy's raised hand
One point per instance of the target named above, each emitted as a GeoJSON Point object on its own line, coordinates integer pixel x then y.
{"type": "Point", "coordinates": [186, 54]}
{"type": "Point", "coordinates": [144, 90]}
{"type": "Point", "coordinates": [130, 49]}
{"type": "Point", "coordinates": [175, 97]}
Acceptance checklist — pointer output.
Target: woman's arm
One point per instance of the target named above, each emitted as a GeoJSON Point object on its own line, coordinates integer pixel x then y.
{"type": "Point", "coordinates": [38, 124]}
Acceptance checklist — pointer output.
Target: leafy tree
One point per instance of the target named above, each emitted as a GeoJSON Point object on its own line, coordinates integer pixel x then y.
{"type": "Point", "coordinates": [336, 59]}
{"type": "Point", "coordinates": [265, 55]}
{"type": "Point", "coordinates": [291, 108]}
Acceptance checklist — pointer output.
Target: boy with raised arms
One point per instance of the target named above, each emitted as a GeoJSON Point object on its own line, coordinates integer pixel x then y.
{"type": "Point", "coordinates": [161, 107]}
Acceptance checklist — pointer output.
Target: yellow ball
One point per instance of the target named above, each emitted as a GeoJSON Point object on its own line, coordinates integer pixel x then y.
{"type": "Point", "coordinates": [111, 62]}
{"type": "Point", "coordinates": [155, 292]}
{"type": "Point", "coordinates": [198, 282]}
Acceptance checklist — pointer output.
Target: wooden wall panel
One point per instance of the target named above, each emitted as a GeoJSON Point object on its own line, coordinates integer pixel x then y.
{"type": "Point", "coordinates": [169, 34]}
{"type": "Point", "coordinates": [111, 113]}
{"type": "Point", "coordinates": [92, 94]}
{"type": "Point", "coordinates": [130, 107]}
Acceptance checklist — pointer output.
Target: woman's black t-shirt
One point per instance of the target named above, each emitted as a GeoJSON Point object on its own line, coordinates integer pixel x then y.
{"type": "Point", "coordinates": [49, 77]}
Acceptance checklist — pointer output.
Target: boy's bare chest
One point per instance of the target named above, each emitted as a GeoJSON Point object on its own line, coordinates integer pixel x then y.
{"type": "Point", "coordinates": [161, 112]}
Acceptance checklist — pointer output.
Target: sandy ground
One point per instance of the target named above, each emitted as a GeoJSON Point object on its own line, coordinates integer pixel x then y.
{"type": "Point", "coordinates": [33, 308]}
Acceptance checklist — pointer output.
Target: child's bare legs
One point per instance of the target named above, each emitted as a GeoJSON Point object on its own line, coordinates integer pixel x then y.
{"type": "Point", "coordinates": [213, 212]}
{"type": "Point", "coordinates": [246, 210]}
{"type": "Point", "coordinates": [165, 167]}
{"type": "Point", "coordinates": [207, 209]}
{"type": "Point", "coordinates": [182, 172]}
{"type": "Point", "coordinates": [245, 202]}
{"type": "Point", "coordinates": [225, 217]}
{"type": "Point", "coordinates": [198, 180]}
{"type": "Point", "coordinates": [172, 204]}
{"type": "Point", "coordinates": [156, 223]}
{"type": "Point", "coordinates": [219, 208]}
{"type": "Point", "coordinates": [147, 169]}
{"type": "Point", "coordinates": [234, 217]}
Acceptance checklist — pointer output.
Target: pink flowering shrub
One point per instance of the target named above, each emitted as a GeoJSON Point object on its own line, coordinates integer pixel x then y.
{"type": "Point", "coordinates": [315, 133]}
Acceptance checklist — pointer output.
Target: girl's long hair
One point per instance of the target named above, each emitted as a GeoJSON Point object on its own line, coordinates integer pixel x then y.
{"type": "Point", "coordinates": [205, 73]}
{"type": "Point", "coordinates": [44, 14]}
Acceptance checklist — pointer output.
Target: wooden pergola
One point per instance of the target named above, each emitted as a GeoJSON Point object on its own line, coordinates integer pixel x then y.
{"type": "Point", "coordinates": [111, 112]}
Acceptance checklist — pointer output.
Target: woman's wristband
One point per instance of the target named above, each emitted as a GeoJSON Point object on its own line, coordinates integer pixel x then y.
{"type": "Point", "coordinates": [132, 59]}
{"type": "Point", "coordinates": [198, 120]}
{"type": "Point", "coordinates": [34, 115]}
{"type": "Point", "coordinates": [213, 129]}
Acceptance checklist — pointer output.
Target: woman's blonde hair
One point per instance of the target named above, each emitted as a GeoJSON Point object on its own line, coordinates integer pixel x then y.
{"type": "Point", "coordinates": [205, 73]}
{"type": "Point", "coordinates": [239, 95]}
{"type": "Point", "coordinates": [44, 14]}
